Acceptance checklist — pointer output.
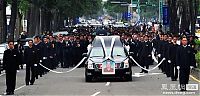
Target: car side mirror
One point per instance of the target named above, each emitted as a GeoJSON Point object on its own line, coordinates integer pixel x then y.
{"type": "Point", "coordinates": [85, 55]}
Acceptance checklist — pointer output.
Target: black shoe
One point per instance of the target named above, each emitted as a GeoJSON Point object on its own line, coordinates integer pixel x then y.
{"type": "Point", "coordinates": [40, 75]}
{"type": "Point", "coordinates": [36, 77]}
{"type": "Point", "coordinates": [31, 84]}
{"type": "Point", "coordinates": [141, 72]}
{"type": "Point", "coordinates": [146, 72]}
{"type": "Point", "coordinates": [8, 93]}
{"type": "Point", "coordinates": [12, 93]}
{"type": "Point", "coordinates": [174, 80]}
{"type": "Point", "coordinates": [183, 90]}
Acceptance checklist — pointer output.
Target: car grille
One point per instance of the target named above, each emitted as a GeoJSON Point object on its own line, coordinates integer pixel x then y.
{"type": "Point", "coordinates": [117, 66]}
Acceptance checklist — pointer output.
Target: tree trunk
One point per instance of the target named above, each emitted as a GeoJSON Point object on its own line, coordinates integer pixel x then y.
{"type": "Point", "coordinates": [4, 21]}
{"type": "Point", "coordinates": [13, 19]}
{"type": "Point", "coordinates": [1, 21]}
{"type": "Point", "coordinates": [192, 16]}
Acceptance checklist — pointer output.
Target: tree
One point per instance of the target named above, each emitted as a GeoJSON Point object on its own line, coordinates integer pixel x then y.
{"type": "Point", "coordinates": [12, 19]}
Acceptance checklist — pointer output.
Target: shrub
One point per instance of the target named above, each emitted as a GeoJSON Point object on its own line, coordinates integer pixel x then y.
{"type": "Point", "coordinates": [197, 57]}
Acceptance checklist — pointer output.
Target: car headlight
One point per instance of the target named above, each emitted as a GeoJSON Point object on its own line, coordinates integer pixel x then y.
{"type": "Point", "coordinates": [126, 64]}
{"type": "Point", "coordinates": [90, 65]}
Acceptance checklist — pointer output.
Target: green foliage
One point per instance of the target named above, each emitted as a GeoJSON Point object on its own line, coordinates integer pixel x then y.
{"type": "Point", "coordinates": [23, 6]}
{"type": "Point", "coordinates": [197, 41]}
{"type": "Point", "coordinates": [198, 59]}
{"type": "Point", "coordinates": [75, 8]}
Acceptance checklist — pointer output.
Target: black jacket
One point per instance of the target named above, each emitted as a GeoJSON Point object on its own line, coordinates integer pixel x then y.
{"type": "Point", "coordinates": [171, 52]}
{"type": "Point", "coordinates": [146, 49]}
{"type": "Point", "coordinates": [184, 57]}
{"type": "Point", "coordinates": [11, 60]}
{"type": "Point", "coordinates": [30, 56]}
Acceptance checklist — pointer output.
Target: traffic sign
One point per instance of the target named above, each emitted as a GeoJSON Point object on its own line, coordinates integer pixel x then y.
{"type": "Point", "coordinates": [165, 15]}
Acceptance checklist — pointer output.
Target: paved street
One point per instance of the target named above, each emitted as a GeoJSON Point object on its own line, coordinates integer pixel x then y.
{"type": "Point", "coordinates": [73, 83]}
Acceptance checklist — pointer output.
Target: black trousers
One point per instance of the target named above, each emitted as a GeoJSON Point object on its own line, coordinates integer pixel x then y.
{"type": "Point", "coordinates": [10, 81]}
{"type": "Point", "coordinates": [30, 75]}
{"type": "Point", "coordinates": [173, 71]}
{"type": "Point", "coordinates": [145, 63]}
{"type": "Point", "coordinates": [46, 63]}
{"type": "Point", "coordinates": [184, 77]}
{"type": "Point", "coordinates": [167, 68]}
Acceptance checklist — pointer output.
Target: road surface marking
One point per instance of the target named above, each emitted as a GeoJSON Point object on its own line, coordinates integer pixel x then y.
{"type": "Point", "coordinates": [2, 74]}
{"type": "Point", "coordinates": [20, 87]}
{"type": "Point", "coordinates": [145, 74]}
{"type": "Point", "coordinates": [17, 88]}
{"type": "Point", "coordinates": [95, 94]}
{"type": "Point", "coordinates": [107, 84]}
{"type": "Point", "coordinates": [195, 79]}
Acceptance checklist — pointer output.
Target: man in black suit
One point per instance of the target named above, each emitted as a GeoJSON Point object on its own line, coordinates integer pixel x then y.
{"type": "Point", "coordinates": [30, 59]}
{"type": "Point", "coordinates": [145, 54]}
{"type": "Point", "coordinates": [38, 46]}
{"type": "Point", "coordinates": [184, 61]}
{"type": "Point", "coordinates": [11, 61]}
{"type": "Point", "coordinates": [171, 59]}
{"type": "Point", "coordinates": [20, 48]}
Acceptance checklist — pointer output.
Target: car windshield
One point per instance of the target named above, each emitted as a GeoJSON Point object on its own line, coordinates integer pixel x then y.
{"type": "Point", "coordinates": [118, 51]}
{"type": "Point", "coordinates": [97, 52]}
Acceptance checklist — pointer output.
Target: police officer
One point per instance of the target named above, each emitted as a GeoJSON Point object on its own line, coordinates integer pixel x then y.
{"type": "Point", "coordinates": [30, 59]}
{"type": "Point", "coordinates": [171, 57]}
{"type": "Point", "coordinates": [184, 61]}
{"type": "Point", "coordinates": [11, 61]}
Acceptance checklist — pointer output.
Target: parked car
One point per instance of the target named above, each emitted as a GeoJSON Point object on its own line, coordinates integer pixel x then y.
{"type": "Point", "coordinates": [3, 47]}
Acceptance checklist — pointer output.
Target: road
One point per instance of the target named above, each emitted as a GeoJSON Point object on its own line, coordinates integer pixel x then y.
{"type": "Point", "coordinates": [73, 83]}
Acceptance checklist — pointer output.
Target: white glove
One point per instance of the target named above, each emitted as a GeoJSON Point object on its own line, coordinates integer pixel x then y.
{"type": "Point", "coordinates": [149, 55]}
{"type": "Point", "coordinates": [159, 55]}
{"type": "Point", "coordinates": [191, 67]}
{"type": "Point", "coordinates": [178, 67]}
{"type": "Point", "coordinates": [169, 61]}
{"type": "Point", "coordinates": [40, 61]}
{"type": "Point", "coordinates": [35, 65]}
{"type": "Point", "coordinates": [164, 58]}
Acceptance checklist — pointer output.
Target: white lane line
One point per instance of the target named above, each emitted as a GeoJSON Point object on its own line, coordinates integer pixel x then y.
{"type": "Point", "coordinates": [95, 94]}
{"type": "Point", "coordinates": [107, 84]}
{"type": "Point", "coordinates": [20, 87]}
{"type": "Point", "coordinates": [147, 74]}
{"type": "Point", "coordinates": [2, 74]}
{"type": "Point", "coordinates": [17, 88]}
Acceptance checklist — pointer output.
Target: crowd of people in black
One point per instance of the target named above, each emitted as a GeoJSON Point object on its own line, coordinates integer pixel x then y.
{"type": "Point", "coordinates": [66, 51]}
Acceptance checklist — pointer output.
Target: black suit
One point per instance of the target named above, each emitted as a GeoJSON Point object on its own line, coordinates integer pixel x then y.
{"type": "Point", "coordinates": [66, 55]}
{"type": "Point", "coordinates": [11, 61]}
{"type": "Point", "coordinates": [30, 59]}
{"type": "Point", "coordinates": [39, 69]}
{"type": "Point", "coordinates": [134, 48]}
{"type": "Point", "coordinates": [171, 55]}
{"type": "Point", "coordinates": [19, 47]}
{"type": "Point", "coordinates": [145, 55]}
{"type": "Point", "coordinates": [184, 59]}
{"type": "Point", "coordinates": [46, 53]}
